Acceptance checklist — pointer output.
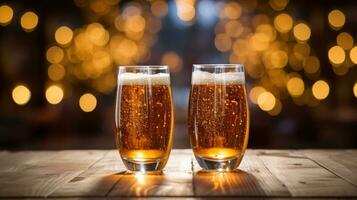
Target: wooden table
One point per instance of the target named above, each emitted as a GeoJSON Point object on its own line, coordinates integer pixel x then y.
{"type": "Point", "coordinates": [99, 174]}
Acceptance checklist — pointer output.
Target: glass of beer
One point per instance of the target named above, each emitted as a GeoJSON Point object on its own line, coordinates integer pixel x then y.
{"type": "Point", "coordinates": [144, 117]}
{"type": "Point", "coordinates": [218, 119]}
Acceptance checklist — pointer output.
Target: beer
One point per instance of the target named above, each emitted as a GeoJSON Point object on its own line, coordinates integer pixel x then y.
{"type": "Point", "coordinates": [144, 119]}
{"type": "Point", "coordinates": [218, 117]}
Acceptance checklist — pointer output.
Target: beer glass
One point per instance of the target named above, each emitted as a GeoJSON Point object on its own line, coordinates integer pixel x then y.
{"type": "Point", "coordinates": [218, 119]}
{"type": "Point", "coordinates": [144, 117]}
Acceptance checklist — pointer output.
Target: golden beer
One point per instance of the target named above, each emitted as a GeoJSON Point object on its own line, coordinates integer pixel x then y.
{"type": "Point", "coordinates": [218, 121]}
{"type": "Point", "coordinates": [144, 120]}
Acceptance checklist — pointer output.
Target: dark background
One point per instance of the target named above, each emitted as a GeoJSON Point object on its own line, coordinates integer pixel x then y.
{"type": "Point", "coordinates": [303, 122]}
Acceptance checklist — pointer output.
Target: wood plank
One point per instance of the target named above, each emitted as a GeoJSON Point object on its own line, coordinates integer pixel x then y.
{"type": "Point", "coordinates": [250, 180]}
{"type": "Point", "coordinates": [340, 162]}
{"type": "Point", "coordinates": [96, 181]}
{"type": "Point", "coordinates": [303, 177]}
{"type": "Point", "coordinates": [175, 181]}
{"type": "Point", "coordinates": [39, 179]}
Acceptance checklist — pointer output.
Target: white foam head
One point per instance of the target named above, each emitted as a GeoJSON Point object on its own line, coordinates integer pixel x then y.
{"type": "Point", "coordinates": [143, 79]}
{"type": "Point", "coordinates": [201, 77]}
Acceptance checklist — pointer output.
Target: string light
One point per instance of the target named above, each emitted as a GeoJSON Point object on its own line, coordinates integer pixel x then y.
{"type": "Point", "coordinates": [283, 23]}
{"type": "Point", "coordinates": [336, 55]}
{"type": "Point", "coordinates": [88, 102]}
{"type": "Point", "coordinates": [320, 89]}
{"type": "Point", "coordinates": [345, 40]}
{"type": "Point", "coordinates": [29, 21]}
{"type": "Point", "coordinates": [21, 95]}
{"type": "Point", "coordinates": [54, 94]}
{"type": "Point", "coordinates": [295, 86]}
{"type": "Point", "coordinates": [353, 55]}
{"type": "Point", "coordinates": [63, 35]}
{"type": "Point", "coordinates": [266, 101]}
{"type": "Point", "coordinates": [6, 15]}
{"type": "Point", "coordinates": [336, 19]}
{"type": "Point", "coordinates": [355, 89]}
{"type": "Point", "coordinates": [302, 32]}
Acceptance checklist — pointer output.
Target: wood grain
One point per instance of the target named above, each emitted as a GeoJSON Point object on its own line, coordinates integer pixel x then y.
{"type": "Point", "coordinates": [340, 162]}
{"type": "Point", "coordinates": [40, 178]}
{"type": "Point", "coordinates": [303, 177]}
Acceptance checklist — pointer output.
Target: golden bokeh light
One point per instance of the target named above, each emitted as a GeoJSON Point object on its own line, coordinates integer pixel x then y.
{"type": "Point", "coordinates": [172, 60]}
{"type": "Point", "coordinates": [355, 89]}
{"type": "Point", "coordinates": [185, 10]}
{"type": "Point", "coordinates": [320, 89]}
{"type": "Point", "coordinates": [278, 59]}
{"type": "Point", "coordinates": [267, 30]}
{"type": "Point", "coordinates": [29, 21]}
{"type": "Point", "coordinates": [21, 95]}
{"type": "Point", "coordinates": [345, 40]}
{"type": "Point", "coordinates": [54, 54]}
{"type": "Point", "coordinates": [259, 42]}
{"type": "Point", "coordinates": [301, 32]}
{"type": "Point", "coordinates": [353, 54]}
{"type": "Point", "coordinates": [278, 5]}
{"type": "Point", "coordinates": [336, 19]}
{"type": "Point", "coordinates": [135, 24]}
{"type": "Point", "coordinates": [295, 86]}
{"type": "Point", "coordinates": [283, 23]}
{"type": "Point", "coordinates": [56, 72]}
{"type": "Point", "coordinates": [277, 108]}
{"type": "Point", "coordinates": [63, 35]}
{"type": "Point", "coordinates": [6, 14]}
{"type": "Point", "coordinates": [54, 94]}
{"type": "Point", "coordinates": [159, 8]}
{"type": "Point", "coordinates": [336, 55]}
{"type": "Point", "coordinates": [255, 92]}
{"type": "Point", "coordinates": [311, 64]}
{"type": "Point", "coordinates": [87, 102]}
{"type": "Point", "coordinates": [232, 10]}
{"type": "Point", "coordinates": [223, 42]}
{"type": "Point", "coordinates": [233, 28]}
{"type": "Point", "coordinates": [266, 101]}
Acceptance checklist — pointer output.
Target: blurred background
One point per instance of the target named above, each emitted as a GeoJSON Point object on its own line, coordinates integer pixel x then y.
{"type": "Point", "coordinates": [58, 62]}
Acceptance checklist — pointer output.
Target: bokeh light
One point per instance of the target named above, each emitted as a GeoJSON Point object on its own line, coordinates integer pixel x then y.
{"type": "Point", "coordinates": [54, 54]}
{"type": "Point", "coordinates": [185, 10]}
{"type": "Point", "coordinates": [302, 32]}
{"type": "Point", "coordinates": [87, 102]}
{"type": "Point", "coordinates": [56, 72]}
{"type": "Point", "coordinates": [336, 55]}
{"type": "Point", "coordinates": [278, 5]}
{"type": "Point", "coordinates": [353, 55]}
{"type": "Point", "coordinates": [266, 101]}
{"type": "Point", "coordinates": [355, 89]}
{"type": "Point", "coordinates": [159, 8]}
{"type": "Point", "coordinates": [232, 10]}
{"type": "Point", "coordinates": [277, 108]}
{"type": "Point", "coordinates": [345, 40]}
{"type": "Point", "coordinates": [295, 86]}
{"type": "Point", "coordinates": [172, 60]}
{"type": "Point", "coordinates": [336, 19]}
{"type": "Point", "coordinates": [311, 64]}
{"type": "Point", "coordinates": [54, 94]}
{"type": "Point", "coordinates": [6, 15]}
{"type": "Point", "coordinates": [255, 92]}
{"type": "Point", "coordinates": [21, 95]}
{"type": "Point", "coordinates": [320, 89]}
{"type": "Point", "coordinates": [29, 21]}
{"type": "Point", "coordinates": [283, 22]}
{"type": "Point", "coordinates": [223, 42]}
{"type": "Point", "coordinates": [63, 35]}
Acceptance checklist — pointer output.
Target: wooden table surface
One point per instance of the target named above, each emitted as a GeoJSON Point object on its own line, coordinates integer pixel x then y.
{"type": "Point", "coordinates": [100, 174]}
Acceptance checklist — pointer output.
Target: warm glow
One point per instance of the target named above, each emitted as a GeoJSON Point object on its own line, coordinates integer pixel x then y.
{"type": "Point", "coordinates": [278, 5]}
{"type": "Point", "coordinates": [29, 21]}
{"type": "Point", "coordinates": [6, 15]}
{"type": "Point", "coordinates": [353, 55]}
{"type": "Point", "coordinates": [311, 64]}
{"type": "Point", "coordinates": [232, 10]}
{"type": "Point", "coordinates": [54, 54]}
{"type": "Point", "coordinates": [63, 35]}
{"type": "Point", "coordinates": [278, 59]}
{"type": "Point", "coordinates": [159, 8]}
{"type": "Point", "coordinates": [355, 89]}
{"type": "Point", "coordinates": [218, 153]}
{"type": "Point", "coordinates": [345, 40]}
{"type": "Point", "coordinates": [233, 28]}
{"type": "Point", "coordinates": [266, 101]}
{"type": "Point", "coordinates": [259, 42]}
{"type": "Point", "coordinates": [21, 94]}
{"type": "Point", "coordinates": [56, 72]}
{"type": "Point", "coordinates": [277, 108]}
{"type": "Point", "coordinates": [87, 102]}
{"type": "Point", "coordinates": [336, 55]}
{"type": "Point", "coordinates": [255, 92]}
{"type": "Point", "coordinates": [172, 60]}
{"type": "Point", "coordinates": [185, 9]}
{"type": "Point", "coordinates": [320, 89]}
{"type": "Point", "coordinates": [295, 86]}
{"type": "Point", "coordinates": [302, 32]}
{"type": "Point", "coordinates": [135, 24]}
{"type": "Point", "coordinates": [54, 94]}
{"type": "Point", "coordinates": [223, 42]}
{"type": "Point", "coordinates": [283, 23]}
{"type": "Point", "coordinates": [336, 18]}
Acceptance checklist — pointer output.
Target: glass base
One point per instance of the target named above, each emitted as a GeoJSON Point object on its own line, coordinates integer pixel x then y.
{"type": "Point", "coordinates": [219, 165]}
{"type": "Point", "coordinates": [144, 167]}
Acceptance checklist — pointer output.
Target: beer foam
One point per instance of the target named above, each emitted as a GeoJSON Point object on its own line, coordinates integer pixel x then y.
{"type": "Point", "coordinates": [143, 79]}
{"type": "Point", "coordinates": [200, 77]}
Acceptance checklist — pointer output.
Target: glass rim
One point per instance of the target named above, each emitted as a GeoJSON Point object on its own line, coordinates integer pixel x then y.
{"type": "Point", "coordinates": [155, 67]}
{"type": "Point", "coordinates": [221, 66]}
